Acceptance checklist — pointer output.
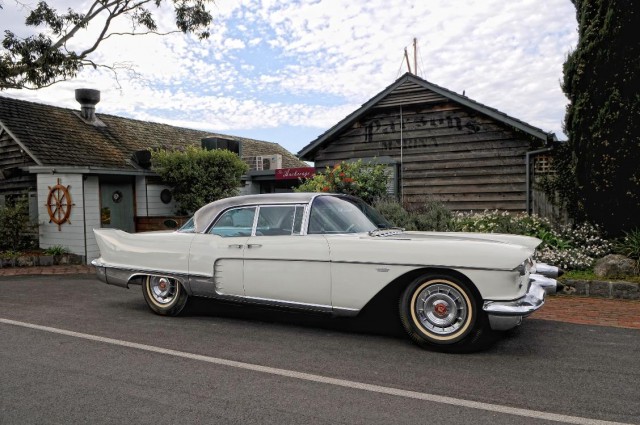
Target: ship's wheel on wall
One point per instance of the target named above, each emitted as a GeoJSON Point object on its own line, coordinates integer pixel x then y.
{"type": "Point", "coordinates": [59, 204]}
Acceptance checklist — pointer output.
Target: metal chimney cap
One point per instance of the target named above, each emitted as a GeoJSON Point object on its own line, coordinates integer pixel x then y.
{"type": "Point", "coordinates": [89, 97]}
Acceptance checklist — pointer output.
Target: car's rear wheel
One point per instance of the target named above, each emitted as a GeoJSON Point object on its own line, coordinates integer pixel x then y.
{"type": "Point", "coordinates": [164, 295]}
{"type": "Point", "coordinates": [444, 312]}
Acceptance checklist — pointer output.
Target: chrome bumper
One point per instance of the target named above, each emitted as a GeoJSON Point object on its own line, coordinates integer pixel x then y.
{"type": "Point", "coordinates": [505, 315]}
{"type": "Point", "coordinates": [112, 275]}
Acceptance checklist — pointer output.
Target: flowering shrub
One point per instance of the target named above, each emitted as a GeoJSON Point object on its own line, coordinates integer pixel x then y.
{"type": "Point", "coordinates": [569, 247]}
{"type": "Point", "coordinates": [505, 222]}
{"type": "Point", "coordinates": [365, 181]}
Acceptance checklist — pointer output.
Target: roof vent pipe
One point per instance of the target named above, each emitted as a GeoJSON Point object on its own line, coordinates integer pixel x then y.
{"type": "Point", "coordinates": [88, 99]}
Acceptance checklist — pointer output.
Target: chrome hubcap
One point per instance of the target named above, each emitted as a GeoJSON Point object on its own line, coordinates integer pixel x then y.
{"type": "Point", "coordinates": [162, 289]}
{"type": "Point", "coordinates": [441, 309]}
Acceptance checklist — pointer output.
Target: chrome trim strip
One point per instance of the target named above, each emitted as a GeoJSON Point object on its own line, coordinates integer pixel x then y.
{"type": "Point", "coordinates": [122, 276]}
{"type": "Point", "coordinates": [290, 304]}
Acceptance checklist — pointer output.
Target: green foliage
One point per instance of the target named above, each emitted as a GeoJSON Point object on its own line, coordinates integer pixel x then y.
{"type": "Point", "coordinates": [366, 181]}
{"type": "Point", "coordinates": [629, 245]}
{"type": "Point", "coordinates": [570, 247]}
{"type": "Point", "coordinates": [47, 57]}
{"type": "Point", "coordinates": [56, 250]}
{"type": "Point", "coordinates": [505, 222]}
{"type": "Point", "coordinates": [430, 216]}
{"type": "Point", "coordinates": [590, 275]}
{"type": "Point", "coordinates": [16, 231]}
{"type": "Point", "coordinates": [199, 176]}
{"type": "Point", "coordinates": [599, 177]}
{"type": "Point", "coordinates": [9, 255]}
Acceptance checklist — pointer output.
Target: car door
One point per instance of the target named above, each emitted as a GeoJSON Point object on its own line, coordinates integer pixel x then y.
{"type": "Point", "coordinates": [282, 265]}
{"type": "Point", "coordinates": [216, 258]}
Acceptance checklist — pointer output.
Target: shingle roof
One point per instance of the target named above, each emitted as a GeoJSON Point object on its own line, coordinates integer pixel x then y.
{"type": "Point", "coordinates": [58, 136]}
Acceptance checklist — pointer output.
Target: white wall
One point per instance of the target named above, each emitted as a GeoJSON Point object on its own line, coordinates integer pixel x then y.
{"type": "Point", "coordinates": [155, 206]}
{"type": "Point", "coordinates": [71, 234]}
{"type": "Point", "coordinates": [141, 196]}
{"type": "Point", "coordinates": [92, 215]}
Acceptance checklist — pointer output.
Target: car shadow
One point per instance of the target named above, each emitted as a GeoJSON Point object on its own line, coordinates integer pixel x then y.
{"type": "Point", "coordinates": [373, 319]}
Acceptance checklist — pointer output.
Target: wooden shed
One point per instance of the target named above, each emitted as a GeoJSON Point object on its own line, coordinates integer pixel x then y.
{"type": "Point", "coordinates": [439, 145]}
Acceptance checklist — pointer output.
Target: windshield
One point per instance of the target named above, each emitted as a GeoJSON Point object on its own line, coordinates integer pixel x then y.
{"type": "Point", "coordinates": [332, 214]}
{"type": "Point", "coordinates": [188, 227]}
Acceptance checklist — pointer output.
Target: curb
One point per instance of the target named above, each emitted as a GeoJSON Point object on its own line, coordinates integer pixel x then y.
{"type": "Point", "coordinates": [602, 289]}
{"type": "Point", "coordinates": [48, 270]}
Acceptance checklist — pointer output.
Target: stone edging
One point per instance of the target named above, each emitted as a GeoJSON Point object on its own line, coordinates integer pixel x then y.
{"type": "Point", "coordinates": [601, 289]}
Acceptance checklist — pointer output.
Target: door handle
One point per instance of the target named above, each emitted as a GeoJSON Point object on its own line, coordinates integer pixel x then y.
{"type": "Point", "coordinates": [239, 246]}
{"type": "Point", "coordinates": [254, 245]}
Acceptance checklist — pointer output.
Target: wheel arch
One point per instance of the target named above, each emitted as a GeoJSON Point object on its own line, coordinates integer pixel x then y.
{"type": "Point", "coordinates": [391, 292]}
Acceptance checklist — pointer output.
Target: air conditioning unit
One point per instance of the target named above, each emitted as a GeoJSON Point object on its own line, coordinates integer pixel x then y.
{"type": "Point", "coordinates": [268, 162]}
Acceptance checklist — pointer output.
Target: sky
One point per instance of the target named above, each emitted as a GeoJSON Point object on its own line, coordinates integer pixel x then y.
{"type": "Point", "coordinates": [286, 71]}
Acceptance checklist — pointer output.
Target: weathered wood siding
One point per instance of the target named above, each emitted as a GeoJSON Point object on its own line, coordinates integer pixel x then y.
{"type": "Point", "coordinates": [449, 153]}
{"type": "Point", "coordinates": [11, 158]}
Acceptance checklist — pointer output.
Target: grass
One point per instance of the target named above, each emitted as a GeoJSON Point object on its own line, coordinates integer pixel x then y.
{"type": "Point", "coordinates": [590, 275]}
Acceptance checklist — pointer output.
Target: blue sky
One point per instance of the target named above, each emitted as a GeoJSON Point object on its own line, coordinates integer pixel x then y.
{"type": "Point", "coordinates": [285, 71]}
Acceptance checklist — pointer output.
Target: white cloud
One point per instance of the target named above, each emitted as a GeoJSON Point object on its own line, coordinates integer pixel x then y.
{"type": "Point", "coordinates": [309, 63]}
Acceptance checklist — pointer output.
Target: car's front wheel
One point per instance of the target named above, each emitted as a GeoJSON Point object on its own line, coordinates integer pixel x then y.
{"type": "Point", "coordinates": [164, 295]}
{"type": "Point", "coordinates": [442, 311]}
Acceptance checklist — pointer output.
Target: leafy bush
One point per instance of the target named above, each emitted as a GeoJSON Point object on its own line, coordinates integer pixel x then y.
{"type": "Point", "coordinates": [505, 222]}
{"type": "Point", "coordinates": [430, 216]}
{"type": "Point", "coordinates": [570, 247]}
{"type": "Point", "coordinates": [56, 250]}
{"type": "Point", "coordinates": [16, 231]}
{"type": "Point", "coordinates": [366, 181]}
{"type": "Point", "coordinates": [629, 245]}
{"type": "Point", "coordinates": [198, 176]}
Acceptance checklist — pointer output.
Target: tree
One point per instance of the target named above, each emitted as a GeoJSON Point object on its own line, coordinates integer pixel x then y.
{"type": "Point", "coordinates": [365, 181]}
{"type": "Point", "coordinates": [600, 165]}
{"type": "Point", "coordinates": [199, 176]}
{"type": "Point", "coordinates": [46, 58]}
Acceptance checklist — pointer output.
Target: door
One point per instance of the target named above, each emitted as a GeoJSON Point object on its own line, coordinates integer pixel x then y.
{"type": "Point", "coordinates": [283, 266]}
{"type": "Point", "coordinates": [216, 257]}
{"type": "Point", "coordinates": [116, 203]}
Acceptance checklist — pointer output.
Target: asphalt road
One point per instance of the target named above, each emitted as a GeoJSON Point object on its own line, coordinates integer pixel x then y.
{"type": "Point", "coordinates": [73, 350]}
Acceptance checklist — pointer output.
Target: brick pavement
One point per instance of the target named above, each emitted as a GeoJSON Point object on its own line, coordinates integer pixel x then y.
{"type": "Point", "coordinates": [591, 311]}
{"type": "Point", "coordinates": [563, 308]}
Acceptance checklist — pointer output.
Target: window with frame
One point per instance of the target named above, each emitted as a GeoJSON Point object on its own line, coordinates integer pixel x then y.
{"type": "Point", "coordinates": [280, 220]}
{"type": "Point", "coordinates": [234, 223]}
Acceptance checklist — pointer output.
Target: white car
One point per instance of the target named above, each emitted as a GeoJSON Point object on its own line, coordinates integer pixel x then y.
{"type": "Point", "coordinates": [333, 253]}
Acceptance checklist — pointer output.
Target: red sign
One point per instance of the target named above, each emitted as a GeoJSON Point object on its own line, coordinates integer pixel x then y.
{"type": "Point", "coordinates": [295, 173]}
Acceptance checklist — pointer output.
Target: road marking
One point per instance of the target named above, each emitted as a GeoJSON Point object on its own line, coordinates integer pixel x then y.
{"type": "Point", "coordinates": [324, 379]}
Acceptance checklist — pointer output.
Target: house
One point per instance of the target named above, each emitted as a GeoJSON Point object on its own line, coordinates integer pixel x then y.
{"type": "Point", "coordinates": [440, 145]}
{"type": "Point", "coordinates": [86, 170]}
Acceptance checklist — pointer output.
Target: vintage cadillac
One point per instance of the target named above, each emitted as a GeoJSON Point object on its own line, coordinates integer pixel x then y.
{"type": "Point", "coordinates": [333, 253]}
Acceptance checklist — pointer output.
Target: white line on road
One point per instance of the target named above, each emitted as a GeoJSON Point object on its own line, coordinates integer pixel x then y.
{"type": "Point", "coordinates": [324, 379]}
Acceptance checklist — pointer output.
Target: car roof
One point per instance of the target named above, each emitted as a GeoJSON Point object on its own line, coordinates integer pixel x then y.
{"type": "Point", "coordinates": [205, 215]}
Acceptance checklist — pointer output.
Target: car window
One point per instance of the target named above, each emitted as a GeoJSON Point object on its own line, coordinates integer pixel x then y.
{"type": "Point", "coordinates": [235, 222]}
{"type": "Point", "coordinates": [188, 227]}
{"type": "Point", "coordinates": [331, 214]}
{"type": "Point", "coordinates": [280, 220]}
